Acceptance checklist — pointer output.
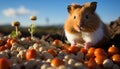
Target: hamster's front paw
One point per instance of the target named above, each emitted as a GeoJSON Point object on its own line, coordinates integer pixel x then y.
{"type": "Point", "coordinates": [88, 44]}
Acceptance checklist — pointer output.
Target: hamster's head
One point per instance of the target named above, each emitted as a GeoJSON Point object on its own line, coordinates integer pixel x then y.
{"type": "Point", "coordinates": [83, 17]}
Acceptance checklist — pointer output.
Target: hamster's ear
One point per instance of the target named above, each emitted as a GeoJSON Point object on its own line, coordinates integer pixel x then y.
{"type": "Point", "coordinates": [72, 7]}
{"type": "Point", "coordinates": [69, 8]}
{"type": "Point", "coordinates": [93, 6]}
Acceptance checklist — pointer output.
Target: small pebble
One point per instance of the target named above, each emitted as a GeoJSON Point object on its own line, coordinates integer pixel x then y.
{"type": "Point", "coordinates": [47, 55]}
{"type": "Point", "coordinates": [71, 61]}
{"type": "Point", "coordinates": [108, 63]}
{"type": "Point", "coordinates": [45, 66]}
{"type": "Point", "coordinates": [30, 64]}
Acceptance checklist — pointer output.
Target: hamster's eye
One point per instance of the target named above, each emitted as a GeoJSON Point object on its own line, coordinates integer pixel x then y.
{"type": "Point", "coordinates": [86, 16]}
{"type": "Point", "coordinates": [74, 17]}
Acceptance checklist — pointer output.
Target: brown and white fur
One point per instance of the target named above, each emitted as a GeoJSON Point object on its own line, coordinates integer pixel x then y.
{"type": "Point", "coordinates": [84, 26]}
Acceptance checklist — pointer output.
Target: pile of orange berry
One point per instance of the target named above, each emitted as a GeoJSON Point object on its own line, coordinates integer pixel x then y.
{"type": "Point", "coordinates": [94, 58]}
{"type": "Point", "coordinates": [29, 53]}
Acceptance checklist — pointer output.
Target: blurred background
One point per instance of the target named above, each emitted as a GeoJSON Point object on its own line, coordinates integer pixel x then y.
{"type": "Point", "coordinates": [50, 13]}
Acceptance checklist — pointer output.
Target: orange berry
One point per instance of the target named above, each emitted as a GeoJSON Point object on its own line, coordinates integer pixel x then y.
{"type": "Point", "coordinates": [91, 50]}
{"type": "Point", "coordinates": [53, 52]}
{"type": "Point", "coordinates": [57, 43]}
{"type": "Point", "coordinates": [91, 64]}
{"type": "Point", "coordinates": [56, 62]}
{"type": "Point", "coordinates": [116, 58]}
{"type": "Point", "coordinates": [31, 54]}
{"type": "Point", "coordinates": [13, 41]}
{"type": "Point", "coordinates": [73, 49]}
{"type": "Point", "coordinates": [100, 51]}
{"type": "Point", "coordinates": [113, 50]}
{"type": "Point", "coordinates": [99, 59]}
{"type": "Point", "coordinates": [4, 63]}
{"type": "Point", "coordinates": [83, 50]}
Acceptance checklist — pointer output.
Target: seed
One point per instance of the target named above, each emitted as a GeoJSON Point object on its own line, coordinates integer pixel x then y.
{"type": "Point", "coordinates": [33, 18]}
{"type": "Point", "coordinates": [15, 23]}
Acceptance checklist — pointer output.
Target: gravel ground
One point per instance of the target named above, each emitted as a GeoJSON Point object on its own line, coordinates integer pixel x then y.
{"type": "Point", "coordinates": [66, 59]}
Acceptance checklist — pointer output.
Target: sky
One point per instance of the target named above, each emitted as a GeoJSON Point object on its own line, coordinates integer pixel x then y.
{"type": "Point", "coordinates": [51, 12]}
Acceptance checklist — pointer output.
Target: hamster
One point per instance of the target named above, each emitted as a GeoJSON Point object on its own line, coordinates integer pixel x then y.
{"type": "Point", "coordinates": [83, 26]}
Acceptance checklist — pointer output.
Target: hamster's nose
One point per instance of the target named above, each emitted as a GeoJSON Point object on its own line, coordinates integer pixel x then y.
{"type": "Point", "coordinates": [80, 26]}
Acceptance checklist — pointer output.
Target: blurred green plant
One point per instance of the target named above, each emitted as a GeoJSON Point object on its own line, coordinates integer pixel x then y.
{"type": "Point", "coordinates": [14, 35]}
{"type": "Point", "coordinates": [32, 29]}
